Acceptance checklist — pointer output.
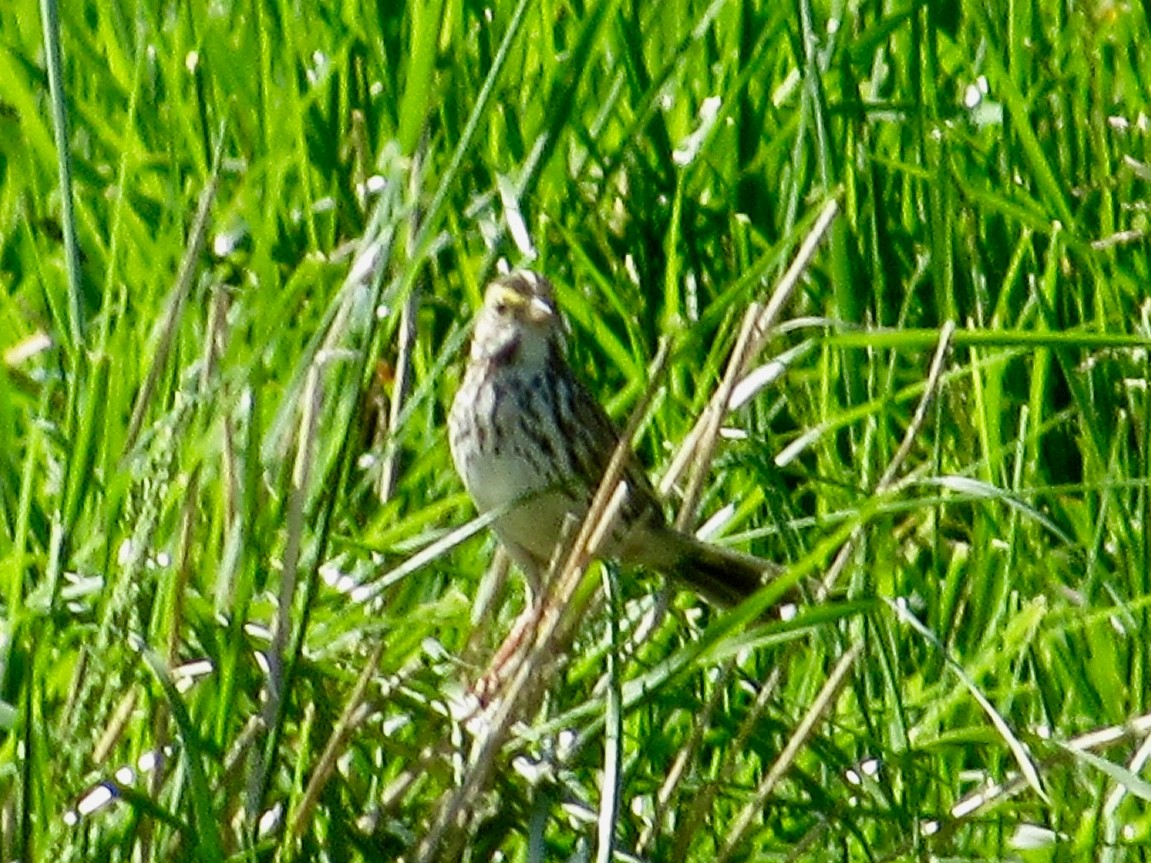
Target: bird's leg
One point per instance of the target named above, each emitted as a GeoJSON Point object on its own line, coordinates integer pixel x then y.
{"type": "Point", "coordinates": [536, 570]}
{"type": "Point", "coordinates": [503, 661]}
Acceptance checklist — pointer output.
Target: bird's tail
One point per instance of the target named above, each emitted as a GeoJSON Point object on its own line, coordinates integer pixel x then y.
{"type": "Point", "coordinates": [722, 576]}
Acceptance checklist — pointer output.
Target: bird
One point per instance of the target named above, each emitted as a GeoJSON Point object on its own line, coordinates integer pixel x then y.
{"type": "Point", "coordinates": [531, 444]}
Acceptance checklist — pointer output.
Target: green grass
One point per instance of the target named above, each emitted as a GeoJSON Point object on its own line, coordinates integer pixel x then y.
{"type": "Point", "coordinates": [230, 445]}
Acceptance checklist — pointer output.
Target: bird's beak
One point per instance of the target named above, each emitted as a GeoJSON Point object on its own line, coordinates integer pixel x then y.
{"type": "Point", "coordinates": [539, 310]}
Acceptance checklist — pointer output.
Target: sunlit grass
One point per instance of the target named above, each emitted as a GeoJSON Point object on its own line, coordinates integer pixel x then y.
{"type": "Point", "coordinates": [227, 556]}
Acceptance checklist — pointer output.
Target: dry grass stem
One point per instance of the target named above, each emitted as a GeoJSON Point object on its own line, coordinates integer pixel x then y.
{"type": "Point", "coordinates": [754, 331]}
{"type": "Point", "coordinates": [823, 702]}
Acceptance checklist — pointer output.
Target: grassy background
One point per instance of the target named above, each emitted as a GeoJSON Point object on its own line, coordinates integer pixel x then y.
{"type": "Point", "coordinates": [233, 434]}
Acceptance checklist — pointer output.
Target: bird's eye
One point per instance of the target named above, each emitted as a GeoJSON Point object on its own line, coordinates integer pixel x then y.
{"type": "Point", "coordinates": [501, 307]}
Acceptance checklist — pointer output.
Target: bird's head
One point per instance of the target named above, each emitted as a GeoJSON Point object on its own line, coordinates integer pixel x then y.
{"type": "Point", "coordinates": [519, 322]}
